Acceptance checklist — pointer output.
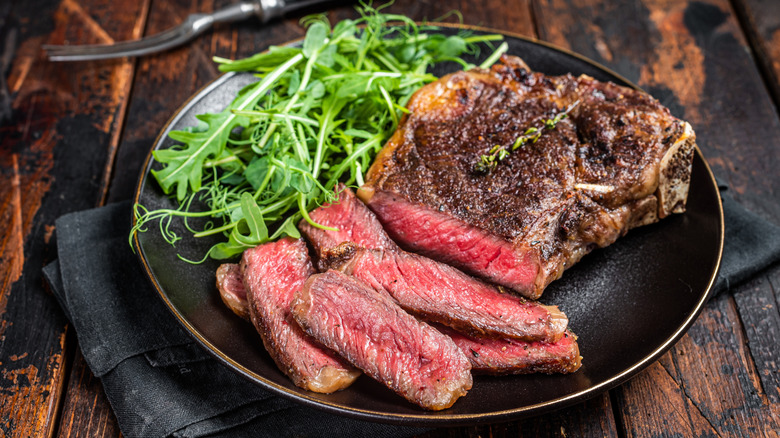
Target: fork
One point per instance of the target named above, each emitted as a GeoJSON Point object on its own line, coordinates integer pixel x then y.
{"type": "Point", "coordinates": [193, 26]}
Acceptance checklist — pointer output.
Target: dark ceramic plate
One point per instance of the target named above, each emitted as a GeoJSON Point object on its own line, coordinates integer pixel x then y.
{"type": "Point", "coordinates": [628, 303]}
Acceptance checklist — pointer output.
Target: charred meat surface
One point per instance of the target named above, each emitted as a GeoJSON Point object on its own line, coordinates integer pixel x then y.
{"type": "Point", "coordinates": [510, 356]}
{"type": "Point", "coordinates": [618, 160]}
{"type": "Point", "coordinates": [373, 333]}
{"type": "Point", "coordinates": [440, 293]}
{"type": "Point", "coordinates": [230, 284]}
{"type": "Point", "coordinates": [272, 273]}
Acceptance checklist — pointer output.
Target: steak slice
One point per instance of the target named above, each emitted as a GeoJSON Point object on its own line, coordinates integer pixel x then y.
{"type": "Point", "coordinates": [353, 220]}
{"type": "Point", "coordinates": [440, 293]}
{"type": "Point", "coordinates": [368, 329]}
{"type": "Point", "coordinates": [510, 356]}
{"type": "Point", "coordinates": [272, 273]}
{"type": "Point", "coordinates": [230, 284]}
{"type": "Point", "coordinates": [618, 160]}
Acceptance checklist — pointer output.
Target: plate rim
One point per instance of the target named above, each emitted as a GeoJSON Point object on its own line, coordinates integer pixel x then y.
{"type": "Point", "coordinates": [427, 418]}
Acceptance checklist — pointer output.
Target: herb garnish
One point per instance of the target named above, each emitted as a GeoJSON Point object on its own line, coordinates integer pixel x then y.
{"type": "Point", "coordinates": [317, 116]}
{"type": "Point", "coordinates": [531, 135]}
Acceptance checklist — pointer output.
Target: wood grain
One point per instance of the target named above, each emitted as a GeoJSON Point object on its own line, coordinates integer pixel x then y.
{"type": "Point", "coordinates": [86, 412]}
{"type": "Point", "coordinates": [761, 24]}
{"type": "Point", "coordinates": [54, 150]}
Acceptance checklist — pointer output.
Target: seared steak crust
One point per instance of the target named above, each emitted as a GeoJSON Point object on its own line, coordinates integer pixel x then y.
{"type": "Point", "coordinates": [272, 273]}
{"type": "Point", "coordinates": [547, 203]}
{"type": "Point", "coordinates": [367, 328]}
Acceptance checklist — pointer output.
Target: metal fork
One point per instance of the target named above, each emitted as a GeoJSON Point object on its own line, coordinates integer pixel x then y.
{"type": "Point", "coordinates": [193, 26]}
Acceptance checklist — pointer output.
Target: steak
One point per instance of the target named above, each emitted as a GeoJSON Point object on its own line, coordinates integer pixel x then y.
{"type": "Point", "coordinates": [368, 329]}
{"type": "Point", "coordinates": [431, 290]}
{"type": "Point", "coordinates": [510, 356]}
{"type": "Point", "coordinates": [353, 221]}
{"type": "Point", "coordinates": [440, 293]}
{"type": "Point", "coordinates": [230, 284]}
{"type": "Point", "coordinates": [272, 272]}
{"type": "Point", "coordinates": [617, 160]}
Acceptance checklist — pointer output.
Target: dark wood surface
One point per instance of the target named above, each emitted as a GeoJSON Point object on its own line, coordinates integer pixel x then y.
{"type": "Point", "coordinates": [78, 133]}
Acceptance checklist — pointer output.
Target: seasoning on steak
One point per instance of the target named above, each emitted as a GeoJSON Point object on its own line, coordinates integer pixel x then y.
{"type": "Point", "coordinates": [230, 284]}
{"type": "Point", "coordinates": [368, 329]}
{"type": "Point", "coordinates": [510, 356]}
{"type": "Point", "coordinates": [272, 272]}
{"type": "Point", "coordinates": [619, 160]}
{"type": "Point", "coordinates": [440, 293]}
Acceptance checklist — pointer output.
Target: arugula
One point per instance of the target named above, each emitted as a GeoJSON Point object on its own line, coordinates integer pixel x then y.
{"type": "Point", "coordinates": [317, 116]}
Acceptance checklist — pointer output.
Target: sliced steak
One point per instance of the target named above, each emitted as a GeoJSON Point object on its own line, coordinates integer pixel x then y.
{"type": "Point", "coordinates": [272, 273]}
{"type": "Point", "coordinates": [440, 293]}
{"type": "Point", "coordinates": [372, 332]}
{"type": "Point", "coordinates": [619, 160]}
{"type": "Point", "coordinates": [352, 219]}
{"type": "Point", "coordinates": [510, 356]}
{"type": "Point", "coordinates": [429, 289]}
{"type": "Point", "coordinates": [230, 284]}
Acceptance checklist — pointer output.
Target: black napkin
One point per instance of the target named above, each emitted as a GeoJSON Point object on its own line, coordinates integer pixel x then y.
{"type": "Point", "coordinates": [750, 245]}
{"type": "Point", "coordinates": [160, 383]}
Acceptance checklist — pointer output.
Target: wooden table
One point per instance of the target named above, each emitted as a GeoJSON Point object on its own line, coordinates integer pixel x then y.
{"type": "Point", "coordinates": [80, 131]}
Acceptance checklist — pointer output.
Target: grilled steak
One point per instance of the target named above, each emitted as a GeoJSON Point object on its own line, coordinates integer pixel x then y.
{"type": "Point", "coordinates": [367, 328]}
{"type": "Point", "coordinates": [619, 160]}
{"type": "Point", "coordinates": [429, 289]}
{"type": "Point", "coordinates": [231, 289]}
{"type": "Point", "coordinates": [272, 272]}
{"type": "Point", "coordinates": [440, 293]}
{"type": "Point", "coordinates": [510, 356]}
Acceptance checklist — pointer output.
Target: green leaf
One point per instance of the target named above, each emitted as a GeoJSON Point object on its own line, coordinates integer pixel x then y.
{"type": "Point", "coordinates": [287, 228]}
{"type": "Point", "coordinates": [302, 180]}
{"type": "Point", "coordinates": [359, 133]}
{"type": "Point", "coordinates": [266, 60]}
{"type": "Point", "coordinates": [315, 38]}
{"type": "Point", "coordinates": [452, 47]}
{"type": "Point", "coordinates": [254, 219]}
{"type": "Point", "coordinates": [183, 166]}
{"type": "Point", "coordinates": [295, 82]}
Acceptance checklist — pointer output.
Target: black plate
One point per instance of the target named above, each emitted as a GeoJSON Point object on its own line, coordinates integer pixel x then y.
{"type": "Point", "coordinates": [628, 303]}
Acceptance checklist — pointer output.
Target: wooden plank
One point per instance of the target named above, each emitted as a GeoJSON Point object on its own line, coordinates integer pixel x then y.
{"type": "Point", "coordinates": [761, 22]}
{"type": "Point", "coordinates": [86, 412]}
{"type": "Point", "coordinates": [757, 304]}
{"type": "Point", "coordinates": [63, 129]}
{"type": "Point", "coordinates": [655, 390]}
{"type": "Point", "coordinates": [687, 54]}
{"type": "Point", "coordinates": [706, 386]}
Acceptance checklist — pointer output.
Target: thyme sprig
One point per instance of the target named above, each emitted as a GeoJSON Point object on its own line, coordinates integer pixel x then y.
{"type": "Point", "coordinates": [498, 153]}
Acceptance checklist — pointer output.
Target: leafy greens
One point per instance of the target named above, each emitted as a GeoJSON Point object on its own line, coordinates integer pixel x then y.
{"type": "Point", "coordinates": [317, 116]}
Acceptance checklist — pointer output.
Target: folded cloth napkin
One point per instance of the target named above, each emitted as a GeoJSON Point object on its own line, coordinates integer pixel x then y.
{"type": "Point", "coordinates": [160, 383]}
{"type": "Point", "coordinates": [750, 245]}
